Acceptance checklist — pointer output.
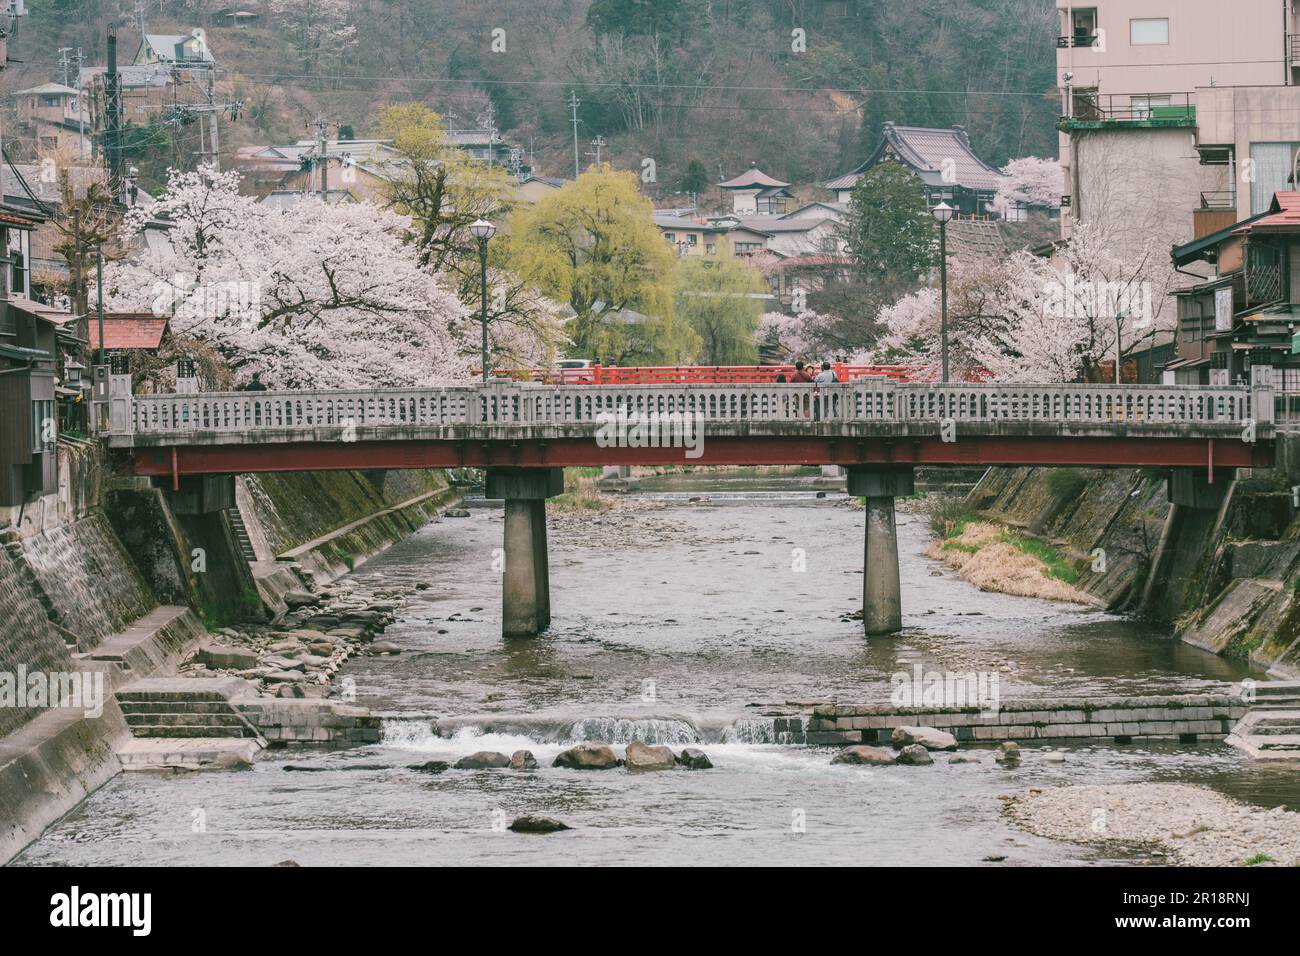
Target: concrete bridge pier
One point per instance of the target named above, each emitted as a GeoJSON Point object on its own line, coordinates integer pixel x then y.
{"type": "Point", "coordinates": [882, 601]}
{"type": "Point", "coordinates": [526, 579]}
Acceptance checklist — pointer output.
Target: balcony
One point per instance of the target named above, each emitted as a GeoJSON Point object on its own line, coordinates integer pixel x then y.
{"type": "Point", "coordinates": [1077, 40]}
{"type": "Point", "coordinates": [1092, 110]}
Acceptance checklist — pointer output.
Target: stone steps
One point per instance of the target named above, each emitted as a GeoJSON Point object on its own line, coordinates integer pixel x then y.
{"type": "Point", "coordinates": [170, 714]}
{"type": "Point", "coordinates": [162, 753]}
{"type": "Point", "coordinates": [1269, 732]}
{"type": "Point", "coordinates": [183, 720]}
{"type": "Point", "coordinates": [241, 534]}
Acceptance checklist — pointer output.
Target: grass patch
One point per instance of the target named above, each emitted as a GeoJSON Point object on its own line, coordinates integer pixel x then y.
{"type": "Point", "coordinates": [1057, 566]}
{"type": "Point", "coordinates": [1257, 859]}
{"type": "Point", "coordinates": [949, 516]}
{"type": "Point", "coordinates": [580, 500]}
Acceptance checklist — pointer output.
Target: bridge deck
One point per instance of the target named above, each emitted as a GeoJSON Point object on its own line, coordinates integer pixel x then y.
{"type": "Point", "coordinates": [867, 421]}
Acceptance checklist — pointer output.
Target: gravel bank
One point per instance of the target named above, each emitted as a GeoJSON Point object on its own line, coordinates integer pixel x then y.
{"type": "Point", "coordinates": [1180, 823]}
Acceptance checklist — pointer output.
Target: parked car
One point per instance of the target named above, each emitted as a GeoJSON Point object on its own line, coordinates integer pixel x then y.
{"type": "Point", "coordinates": [572, 371]}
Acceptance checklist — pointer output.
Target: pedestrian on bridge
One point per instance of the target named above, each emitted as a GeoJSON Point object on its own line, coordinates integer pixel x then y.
{"type": "Point", "coordinates": [826, 376]}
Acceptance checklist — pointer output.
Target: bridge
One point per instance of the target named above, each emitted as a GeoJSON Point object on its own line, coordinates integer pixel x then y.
{"type": "Point", "coordinates": [523, 433]}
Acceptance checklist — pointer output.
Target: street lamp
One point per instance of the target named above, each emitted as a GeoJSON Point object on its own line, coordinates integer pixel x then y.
{"type": "Point", "coordinates": [482, 230]}
{"type": "Point", "coordinates": [942, 213]}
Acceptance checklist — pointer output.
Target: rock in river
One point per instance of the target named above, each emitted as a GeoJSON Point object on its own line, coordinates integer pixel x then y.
{"type": "Point", "coordinates": [644, 757]}
{"type": "Point", "coordinates": [483, 760]}
{"type": "Point", "coordinates": [693, 759]}
{"type": "Point", "coordinates": [536, 824]}
{"type": "Point", "coordinates": [915, 755]}
{"type": "Point", "coordinates": [865, 755]}
{"type": "Point", "coordinates": [432, 766]}
{"type": "Point", "coordinates": [523, 760]}
{"type": "Point", "coordinates": [587, 756]}
{"type": "Point", "coordinates": [927, 737]}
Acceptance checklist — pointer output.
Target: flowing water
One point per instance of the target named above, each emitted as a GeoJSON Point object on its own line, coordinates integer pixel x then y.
{"type": "Point", "coordinates": [679, 619]}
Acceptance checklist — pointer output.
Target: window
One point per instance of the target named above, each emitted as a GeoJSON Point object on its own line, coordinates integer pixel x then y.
{"type": "Point", "coordinates": [710, 248]}
{"type": "Point", "coordinates": [1148, 32]}
{"type": "Point", "coordinates": [748, 246]}
{"type": "Point", "coordinates": [1272, 162]}
{"type": "Point", "coordinates": [691, 238]}
{"type": "Point", "coordinates": [670, 236]}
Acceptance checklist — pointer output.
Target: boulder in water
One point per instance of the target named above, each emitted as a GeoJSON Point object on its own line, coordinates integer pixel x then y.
{"type": "Point", "coordinates": [915, 755]}
{"type": "Point", "coordinates": [694, 759]}
{"type": "Point", "coordinates": [433, 766]}
{"type": "Point", "coordinates": [865, 756]}
{"type": "Point", "coordinates": [538, 824]}
{"type": "Point", "coordinates": [523, 760]}
{"type": "Point", "coordinates": [927, 737]}
{"type": "Point", "coordinates": [641, 756]}
{"type": "Point", "coordinates": [1008, 754]}
{"type": "Point", "coordinates": [587, 755]}
{"type": "Point", "coordinates": [483, 760]}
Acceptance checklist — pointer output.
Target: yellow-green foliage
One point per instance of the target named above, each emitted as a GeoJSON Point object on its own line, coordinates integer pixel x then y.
{"type": "Point", "coordinates": [594, 245]}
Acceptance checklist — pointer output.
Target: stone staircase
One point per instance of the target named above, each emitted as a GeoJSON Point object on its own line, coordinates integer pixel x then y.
{"type": "Point", "coordinates": [241, 534]}
{"type": "Point", "coordinates": [1271, 728]}
{"type": "Point", "coordinates": [188, 723]}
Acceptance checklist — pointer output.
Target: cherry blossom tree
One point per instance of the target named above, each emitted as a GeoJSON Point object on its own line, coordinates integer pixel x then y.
{"type": "Point", "coordinates": [1030, 181]}
{"type": "Point", "coordinates": [1031, 319]}
{"type": "Point", "coordinates": [315, 295]}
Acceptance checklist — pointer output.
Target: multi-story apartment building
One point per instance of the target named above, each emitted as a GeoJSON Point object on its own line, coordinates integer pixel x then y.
{"type": "Point", "coordinates": [1135, 76]}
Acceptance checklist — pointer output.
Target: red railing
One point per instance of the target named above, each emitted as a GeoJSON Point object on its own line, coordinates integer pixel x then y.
{"type": "Point", "coordinates": [693, 374]}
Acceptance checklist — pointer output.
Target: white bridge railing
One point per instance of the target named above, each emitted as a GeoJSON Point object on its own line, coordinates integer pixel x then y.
{"type": "Point", "coordinates": [522, 404]}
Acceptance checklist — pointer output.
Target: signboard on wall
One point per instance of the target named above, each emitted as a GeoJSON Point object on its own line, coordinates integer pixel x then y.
{"type": "Point", "coordinates": [1223, 309]}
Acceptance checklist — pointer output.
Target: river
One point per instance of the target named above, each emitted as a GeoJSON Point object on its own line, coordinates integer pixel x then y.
{"type": "Point", "coordinates": [678, 617]}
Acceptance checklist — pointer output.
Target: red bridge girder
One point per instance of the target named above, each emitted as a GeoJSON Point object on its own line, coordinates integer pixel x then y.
{"type": "Point", "coordinates": [1125, 452]}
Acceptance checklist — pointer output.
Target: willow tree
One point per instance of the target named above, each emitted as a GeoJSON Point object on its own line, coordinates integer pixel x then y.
{"type": "Point", "coordinates": [719, 299]}
{"type": "Point", "coordinates": [593, 245]}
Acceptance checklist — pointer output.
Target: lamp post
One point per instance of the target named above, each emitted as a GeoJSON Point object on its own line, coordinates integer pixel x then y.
{"type": "Point", "coordinates": [942, 213]}
{"type": "Point", "coordinates": [482, 230]}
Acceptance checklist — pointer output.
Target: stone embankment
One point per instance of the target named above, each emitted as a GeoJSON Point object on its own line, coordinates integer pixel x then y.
{"type": "Point", "coordinates": [1224, 575]}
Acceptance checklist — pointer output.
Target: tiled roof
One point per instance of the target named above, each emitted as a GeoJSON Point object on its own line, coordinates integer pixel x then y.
{"type": "Point", "coordinates": [926, 151]}
{"type": "Point", "coordinates": [129, 331]}
{"type": "Point", "coordinates": [1283, 213]}
{"type": "Point", "coordinates": [47, 312]}
{"type": "Point", "coordinates": [752, 178]}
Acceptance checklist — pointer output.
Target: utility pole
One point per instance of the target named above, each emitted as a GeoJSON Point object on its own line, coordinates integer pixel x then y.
{"type": "Point", "coordinates": [113, 110]}
{"type": "Point", "coordinates": [212, 117]}
{"type": "Point", "coordinates": [492, 133]}
{"type": "Point", "coordinates": [320, 159]}
{"type": "Point", "coordinates": [573, 106]}
{"type": "Point", "coordinates": [597, 143]}
{"type": "Point", "coordinates": [65, 61]}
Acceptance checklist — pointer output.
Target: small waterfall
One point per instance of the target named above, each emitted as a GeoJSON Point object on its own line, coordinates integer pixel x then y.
{"type": "Point", "coordinates": [622, 730]}
{"type": "Point", "coordinates": [765, 730]}
{"type": "Point", "coordinates": [407, 733]}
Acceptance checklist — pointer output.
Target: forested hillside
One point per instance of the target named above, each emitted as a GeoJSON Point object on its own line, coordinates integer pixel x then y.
{"type": "Point", "coordinates": [702, 85]}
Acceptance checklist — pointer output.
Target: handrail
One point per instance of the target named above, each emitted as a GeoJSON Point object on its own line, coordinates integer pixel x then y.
{"type": "Point", "coordinates": [506, 403]}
